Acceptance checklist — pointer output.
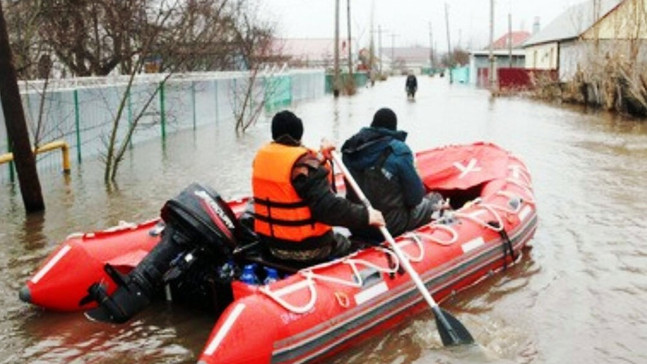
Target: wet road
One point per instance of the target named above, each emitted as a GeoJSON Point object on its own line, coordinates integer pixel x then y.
{"type": "Point", "coordinates": [577, 296]}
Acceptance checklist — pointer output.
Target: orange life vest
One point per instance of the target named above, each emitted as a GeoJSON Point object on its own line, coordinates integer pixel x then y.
{"type": "Point", "coordinates": [279, 211]}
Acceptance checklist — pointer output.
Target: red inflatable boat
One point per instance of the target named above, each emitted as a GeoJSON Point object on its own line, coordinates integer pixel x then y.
{"type": "Point", "coordinates": [316, 311]}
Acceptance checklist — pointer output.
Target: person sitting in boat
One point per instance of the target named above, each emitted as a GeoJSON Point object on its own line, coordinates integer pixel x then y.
{"type": "Point", "coordinates": [294, 204]}
{"type": "Point", "coordinates": [383, 166]}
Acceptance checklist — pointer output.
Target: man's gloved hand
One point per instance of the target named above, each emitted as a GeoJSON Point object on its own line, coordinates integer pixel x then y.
{"type": "Point", "coordinates": [375, 218]}
{"type": "Point", "coordinates": [326, 148]}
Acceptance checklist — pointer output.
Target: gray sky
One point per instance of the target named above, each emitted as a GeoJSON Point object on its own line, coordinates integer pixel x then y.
{"type": "Point", "coordinates": [409, 19]}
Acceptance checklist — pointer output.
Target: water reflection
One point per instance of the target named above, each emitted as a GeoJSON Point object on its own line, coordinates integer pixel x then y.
{"type": "Point", "coordinates": [33, 236]}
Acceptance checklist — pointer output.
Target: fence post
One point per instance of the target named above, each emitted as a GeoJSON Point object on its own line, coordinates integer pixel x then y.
{"type": "Point", "coordinates": [162, 111]}
{"type": "Point", "coordinates": [12, 176]}
{"type": "Point", "coordinates": [193, 101]}
{"type": "Point", "coordinates": [77, 123]}
{"type": "Point", "coordinates": [130, 114]}
{"type": "Point", "coordinates": [251, 94]}
{"type": "Point", "coordinates": [291, 98]}
{"type": "Point", "coordinates": [215, 92]}
{"type": "Point", "coordinates": [235, 93]}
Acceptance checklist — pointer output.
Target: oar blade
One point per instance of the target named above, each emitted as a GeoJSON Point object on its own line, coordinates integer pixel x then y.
{"type": "Point", "coordinates": [452, 332]}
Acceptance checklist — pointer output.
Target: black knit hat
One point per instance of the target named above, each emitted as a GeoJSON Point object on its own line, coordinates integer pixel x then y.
{"type": "Point", "coordinates": [285, 122]}
{"type": "Point", "coordinates": [385, 118]}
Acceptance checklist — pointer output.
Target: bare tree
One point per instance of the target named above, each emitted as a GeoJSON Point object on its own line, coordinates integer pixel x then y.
{"type": "Point", "coordinates": [98, 37]}
{"type": "Point", "coordinates": [184, 35]}
{"type": "Point", "coordinates": [30, 188]}
{"type": "Point", "coordinates": [93, 37]}
{"type": "Point", "coordinates": [256, 51]}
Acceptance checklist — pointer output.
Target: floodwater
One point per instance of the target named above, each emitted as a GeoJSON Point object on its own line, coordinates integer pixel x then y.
{"type": "Point", "coordinates": [577, 296]}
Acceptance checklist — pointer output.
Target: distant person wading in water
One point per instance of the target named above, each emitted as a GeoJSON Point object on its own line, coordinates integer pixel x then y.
{"type": "Point", "coordinates": [411, 85]}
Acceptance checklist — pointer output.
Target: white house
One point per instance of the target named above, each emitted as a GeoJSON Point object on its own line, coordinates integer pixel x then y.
{"type": "Point", "coordinates": [555, 46]}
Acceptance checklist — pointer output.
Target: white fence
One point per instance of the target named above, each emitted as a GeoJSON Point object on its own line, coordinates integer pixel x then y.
{"type": "Point", "coordinates": [81, 111]}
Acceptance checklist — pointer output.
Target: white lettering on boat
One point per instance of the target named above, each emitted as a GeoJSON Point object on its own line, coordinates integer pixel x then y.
{"type": "Point", "coordinates": [291, 316]}
{"type": "Point", "coordinates": [50, 264]}
{"type": "Point", "coordinates": [215, 207]}
{"type": "Point", "coordinates": [229, 322]}
{"type": "Point", "coordinates": [473, 244]}
{"type": "Point", "coordinates": [471, 167]}
{"type": "Point", "coordinates": [371, 292]}
{"type": "Point", "coordinates": [525, 211]}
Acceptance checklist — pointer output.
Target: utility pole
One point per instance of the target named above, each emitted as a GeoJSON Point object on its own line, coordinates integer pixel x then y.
{"type": "Point", "coordinates": [350, 58]}
{"type": "Point", "coordinates": [449, 46]}
{"type": "Point", "coordinates": [371, 55]}
{"type": "Point", "coordinates": [14, 115]}
{"type": "Point", "coordinates": [491, 71]}
{"type": "Point", "coordinates": [336, 86]}
{"type": "Point", "coordinates": [431, 50]}
{"type": "Point", "coordinates": [393, 35]}
{"type": "Point", "coordinates": [510, 40]}
{"type": "Point", "coordinates": [379, 32]}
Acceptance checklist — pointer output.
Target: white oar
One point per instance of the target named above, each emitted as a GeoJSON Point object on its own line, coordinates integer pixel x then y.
{"type": "Point", "coordinates": [452, 332]}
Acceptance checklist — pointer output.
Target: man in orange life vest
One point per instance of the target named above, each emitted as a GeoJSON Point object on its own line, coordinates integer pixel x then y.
{"type": "Point", "coordinates": [294, 205]}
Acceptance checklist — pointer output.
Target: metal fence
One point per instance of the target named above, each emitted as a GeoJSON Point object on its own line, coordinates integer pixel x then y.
{"type": "Point", "coordinates": [81, 111]}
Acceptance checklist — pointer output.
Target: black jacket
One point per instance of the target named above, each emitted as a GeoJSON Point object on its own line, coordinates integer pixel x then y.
{"type": "Point", "coordinates": [382, 165]}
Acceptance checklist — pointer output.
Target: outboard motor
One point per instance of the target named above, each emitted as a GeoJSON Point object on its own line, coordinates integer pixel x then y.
{"type": "Point", "coordinates": [198, 224]}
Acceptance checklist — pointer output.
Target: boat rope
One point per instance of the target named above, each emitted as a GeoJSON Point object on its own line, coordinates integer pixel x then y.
{"type": "Point", "coordinates": [342, 299]}
{"type": "Point", "coordinates": [520, 171]}
{"type": "Point", "coordinates": [507, 246]}
{"type": "Point", "coordinates": [529, 195]}
{"type": "Point", "coordinates": [356, 278]}
{"type": "Point", "coordinates": [278, 294]}
{"type": "Point", "coordinates": [357, 281]}
{"type": "Point", "coordinates": [121, 226]}
{"type": "Point", "coordinates": [410, 236]}
{"type": "Point", "coordinates": [512, 197]}
{"type": "Point", "coordinates": [485, 207]}
{"type": "Point", "coordinates": [438, 226]}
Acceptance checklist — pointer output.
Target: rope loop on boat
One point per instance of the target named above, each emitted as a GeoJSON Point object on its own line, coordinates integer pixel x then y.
{"type": "Point", "coordinates": [437, 226]}
{"type": "Point", "coordinates": [487, 207]}
{"type": "Point", "coordinates": [342, 299]}
{"type": "Point", "coordinates": [529, 195]}
{"type": "Point", "coordinates": [277, 295]}
{"type": "Point", "coordinates": [413, 237]}
{"type": "Point", "coordinates": [511, 197]}
{"type": "Point", "coordinates": [356, 278]}
{"type": "Point", "coordinates": [520, 171]}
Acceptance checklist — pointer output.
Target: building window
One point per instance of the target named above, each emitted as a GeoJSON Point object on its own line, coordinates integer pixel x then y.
{"type": "Point", "coordinates": [552, 52]}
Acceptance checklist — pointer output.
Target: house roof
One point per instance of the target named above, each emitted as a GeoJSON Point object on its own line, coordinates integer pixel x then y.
{"type": "Point", "coordinates": [497, 52]}
{"type": "Point", "coordinates": [518, 37]}
{"type": "Point", "coordinates": [311, 48]}
{"type": "Point", "coordinates": [408, 54]}
{"type": "Point", "coordinates": [572, 23]}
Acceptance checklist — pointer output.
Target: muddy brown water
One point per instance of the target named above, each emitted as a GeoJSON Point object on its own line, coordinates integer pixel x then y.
{"type": "Point", "coordinates": [577, 296]}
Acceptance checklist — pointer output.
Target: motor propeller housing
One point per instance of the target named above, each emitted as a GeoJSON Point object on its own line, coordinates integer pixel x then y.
{"type": "Point", "coordinates": [197, 221]}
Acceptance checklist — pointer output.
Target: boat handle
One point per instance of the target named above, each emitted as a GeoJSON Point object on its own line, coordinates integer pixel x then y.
{"type": "Point", "coordinates": [276, 296]}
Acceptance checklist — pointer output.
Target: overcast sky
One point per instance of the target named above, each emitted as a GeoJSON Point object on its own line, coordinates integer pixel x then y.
{"type": "Point", "coordinates": [408, 20]}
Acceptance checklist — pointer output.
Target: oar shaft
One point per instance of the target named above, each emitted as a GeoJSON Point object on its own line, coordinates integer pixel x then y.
{"type": "Point", "coordinates": [407, 267]}
{"type": "Point", "coordinates": [421, 286]}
